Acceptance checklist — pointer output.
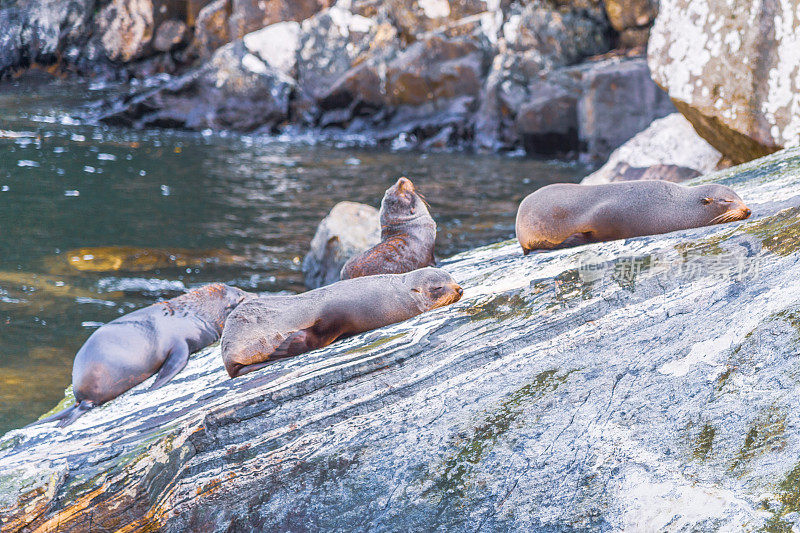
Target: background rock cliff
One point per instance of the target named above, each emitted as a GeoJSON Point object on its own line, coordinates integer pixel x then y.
{"type": "Point", "coordinates": [553, 77]}
{"type": "Point", "coordinates": [635, 385]}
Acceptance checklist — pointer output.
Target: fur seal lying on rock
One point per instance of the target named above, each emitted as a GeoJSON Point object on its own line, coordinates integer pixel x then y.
{"type": "Point", "coordinates": [264, 329]}
{"type": "Point", "coordinates": [408, 233]}
{"type": "Point", "coordinates": [158, 338]}
{"type": "Point", "coordinates": [566, 214]}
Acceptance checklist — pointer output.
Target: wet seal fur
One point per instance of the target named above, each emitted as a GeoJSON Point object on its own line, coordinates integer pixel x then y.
{"type": "Point", "coordinates": [265, 329]}
{"type": "Point", "coordinates": [566, 214]}
{"type": "Point", "coordinates": [408, 235]}
{"type": "Point", "coordinates": [158, 338]}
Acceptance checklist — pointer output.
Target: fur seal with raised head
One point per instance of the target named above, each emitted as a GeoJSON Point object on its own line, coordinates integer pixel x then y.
{"type": "Point", "coordinates": [566, 214]}
{"type": "Point", "coordinates": [155, 339]}
{"type": "Point", "coordinates": [408, 235]}
{"type": "Point", "coordinates": [265, 329]}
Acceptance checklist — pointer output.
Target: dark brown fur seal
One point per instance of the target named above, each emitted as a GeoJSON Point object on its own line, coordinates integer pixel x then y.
{"type": "Point", "coordinates": [157, 338]}
{"type": "Point", "coordinates": [265, 329]}
{"type": "Point", "coordinates": [408, 233]}
{"type": "Point", "coordinates": [566, 214]}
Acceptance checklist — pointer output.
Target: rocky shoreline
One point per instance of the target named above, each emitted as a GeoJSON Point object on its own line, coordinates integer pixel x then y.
{"type": "Point", "coordinates": [555, 78]}
{"type": "Point", "coordinates": [637, 385]}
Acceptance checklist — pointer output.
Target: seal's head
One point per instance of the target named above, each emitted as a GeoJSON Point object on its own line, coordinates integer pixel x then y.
{"type": "Point", "coordinates": [433, 287]}
{"type": "Point", "coordinates": [402, 203]}
{"type": "Point", "coordinates": [218, 300]}
{"type": "Point", "coordinates": [720, 204]}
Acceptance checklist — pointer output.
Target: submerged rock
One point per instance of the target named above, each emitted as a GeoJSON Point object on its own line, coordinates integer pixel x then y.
{"type": "Point", "coordinates": [644, 384]}
{"type": "Point", "coordinates": [349, 229]}
{"type": "Point", "coordinates": [670, 146]}
{"type": "Point", "coordinates": [732, 70]}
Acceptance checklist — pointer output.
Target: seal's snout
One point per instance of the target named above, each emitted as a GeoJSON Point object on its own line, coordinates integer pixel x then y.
{"type": "Point", "coordinates": [459, 290]}
{"type": "Point", "coordinates": [746, 212]}
{"type": "Point", "coordinates": [404, 185]}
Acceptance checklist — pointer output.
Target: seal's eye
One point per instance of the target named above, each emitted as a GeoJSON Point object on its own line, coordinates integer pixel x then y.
{"type": "Point", "coordinates": [706, 200]}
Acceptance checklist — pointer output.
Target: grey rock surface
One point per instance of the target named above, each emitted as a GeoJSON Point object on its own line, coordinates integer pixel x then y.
{"type": "Point", "coordinates": [640, 385]}
{"type": "Point", "coordinates": [669, 141]}
{"type": "Point", "coordinates": [618, 101]}
{"type": "Point", "coordinates": [349, 229]}
{"type": "Point", "coordinates": [235, 90]}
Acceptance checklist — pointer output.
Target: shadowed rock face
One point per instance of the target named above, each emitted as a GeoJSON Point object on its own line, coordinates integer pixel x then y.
{"type": "Point", "coordinates": [34, 31]}
{"type": "Point", "coordinates": [618, 386]}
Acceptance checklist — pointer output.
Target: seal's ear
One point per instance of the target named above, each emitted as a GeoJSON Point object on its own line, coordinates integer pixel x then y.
{"type": "Point", "coordinates": [707, 200]}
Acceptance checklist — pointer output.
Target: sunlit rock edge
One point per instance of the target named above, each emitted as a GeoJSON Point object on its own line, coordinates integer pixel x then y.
{"type": "Point", "coordinates": [646, 398]}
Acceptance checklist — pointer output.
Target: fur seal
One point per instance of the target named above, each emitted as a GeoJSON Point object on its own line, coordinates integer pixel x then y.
{"type": "Point", "coordinates": [566, 214]}
{"type": "Point", "coordinates": [159, 338]}
{"type": "Point", "coordinates": [265, 329]}
{"type": "Point", "coordinates": [408, 233]}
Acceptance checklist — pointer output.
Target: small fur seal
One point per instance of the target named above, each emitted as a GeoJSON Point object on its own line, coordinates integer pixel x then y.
{"type": "Point", "coordinates": [265, 329]}
{"type": "Point", "coordinates": [157, 338]}
{"type": "Point", "coordinates": [408, 234]}
{"type": "Point", "coordinates": [566, 214]}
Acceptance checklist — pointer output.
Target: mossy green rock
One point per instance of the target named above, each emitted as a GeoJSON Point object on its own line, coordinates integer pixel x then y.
{"type": "Point", "coordinates": [636, 385]}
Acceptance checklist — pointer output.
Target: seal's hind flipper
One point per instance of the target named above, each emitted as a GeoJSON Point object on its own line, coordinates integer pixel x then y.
{"type": "Point", "coordinates": [66, 416]}
{"type": "Point", "coordinates": [176, 361]}
{"type": "Point", "coordinates": [76, 412]}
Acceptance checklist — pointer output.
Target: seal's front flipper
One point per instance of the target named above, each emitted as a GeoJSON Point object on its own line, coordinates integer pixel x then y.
{"type": "Point", "coordinates": [176, 361]}
{"type": "Point", "coordinates": [577, 239]}
{"type": "Point", "coordinates": [298, 342]}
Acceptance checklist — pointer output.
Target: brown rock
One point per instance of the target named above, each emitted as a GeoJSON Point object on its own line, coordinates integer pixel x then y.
{"type": "Point", "coordinates": [627, 14]}
{"type": "Point", "coordinates": [170, 34]}
{"type": "Point", "coordinates": [251, 15]}
{"type": "Point", "coordinates": [548, 124]}
{"type": "Point", "coordinates": [234, 90]}
{"type": "Point", "coordinates": [193, 8]}
{"type": "Point", "coordinates": [562, 34]}
{"type": "Point", "coordinates": [425, 93]}
{"type": "Point", "coordinates": [435, 69]}
{"type": "Point", "coordinates": [332, 41]}
{"type": "Point", "coordinates": [211, 29]}
{"type": "Point", "coordinates": [537, 41]}
{"type": "Point", "coordinates": [127, 27]}
{"type": "Point", "coordinates": [413, 18]}
{"type": "Point", "coordinates": [634, 37]}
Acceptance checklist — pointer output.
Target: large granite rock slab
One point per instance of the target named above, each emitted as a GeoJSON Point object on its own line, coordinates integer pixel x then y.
{"type": "Point", "coordinates": [642, 385]}
{"type": "Point", "coordinates": [732, 70]}
{"type": "Point", "coordinates": [669, 142]}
